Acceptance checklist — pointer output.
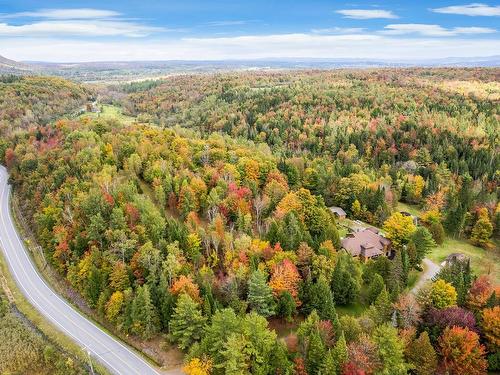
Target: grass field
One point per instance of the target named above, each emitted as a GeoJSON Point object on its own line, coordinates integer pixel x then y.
{"type": "Point", "coordinates": [411, 208]}
{"type": "Point", "coordinates": [110, 112]}
{"type": "Point", "coordinates": [482, 261]}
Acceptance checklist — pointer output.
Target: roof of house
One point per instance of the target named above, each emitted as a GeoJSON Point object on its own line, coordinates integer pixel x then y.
{"type": "Point", "coordinates": [366, 243]}
{"type": "Point", "coordinates": [456, 256]}
{"type": "Point", "coordinates": [338, 210]}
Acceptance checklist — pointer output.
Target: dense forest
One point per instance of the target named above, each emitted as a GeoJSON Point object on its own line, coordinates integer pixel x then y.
{"type": "Point", "coordinates": [207, 219]}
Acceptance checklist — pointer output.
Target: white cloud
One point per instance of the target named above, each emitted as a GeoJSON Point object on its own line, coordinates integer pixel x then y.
{"type": "Point", "coordinates": [76, 13]}
{"type": "Point", "coordinates": [226, 23]}
{"type": "Point", "coordinates": [433, 30]}
{"type": "Point", "coordinates": [474, 30]}
{"type": "Point", "coordinates": [362, 46]}
{"type": "Point", "coordinates": [79, 28]}
{"type": "Point", "coordinates": [474, 9]}
{"type": "Point", "coordinates": [366, 14]}
{"type": "Point", "coordinates": [339, 30]}
{"type": "Point", "coordinates": [75, 22]}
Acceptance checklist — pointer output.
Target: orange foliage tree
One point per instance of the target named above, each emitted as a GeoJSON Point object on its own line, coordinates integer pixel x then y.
{"type": "Point", "coordinates": [184, 284]}
{"type": "Point", "coordinates": [461, 352]}
{"type": "Point", "coordinates": [479, 292]}
{"type": "Point", "coordinates": [491, 327]}
{"type": "Point", "coordinates": [285, 277]}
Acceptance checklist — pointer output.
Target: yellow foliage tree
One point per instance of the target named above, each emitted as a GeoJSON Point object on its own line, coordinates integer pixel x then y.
{"type": "Point", "coordinates": [114, 306]}
{"type": "Point", "coordinates": [198, 366]}
{"type": "Point", "coordinates": [443, 294]}
{"type": "Point", "coordinates": [398, 229]}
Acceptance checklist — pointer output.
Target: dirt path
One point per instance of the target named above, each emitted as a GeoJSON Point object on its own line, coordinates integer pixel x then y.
{"type": "Point", "coordinates": [430, 270]}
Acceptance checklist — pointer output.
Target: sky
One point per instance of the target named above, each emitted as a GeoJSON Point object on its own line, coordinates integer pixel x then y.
{"type": "Point", "coordinates": [121, 30]}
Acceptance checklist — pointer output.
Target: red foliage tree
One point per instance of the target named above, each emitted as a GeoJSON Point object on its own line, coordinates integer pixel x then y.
{"type": "Point", "coordinates": [451, 316]}
{"type": "Point", "coordinates": [351, 369]}
{"type": "Point", "coordinates": [364, 355]}
{"type": "Point", "coordinates": [479, 292]}
{"type": "Point", "coordinates": [299, 366]}
{"type": "Point", "coordinates": [461, 352]}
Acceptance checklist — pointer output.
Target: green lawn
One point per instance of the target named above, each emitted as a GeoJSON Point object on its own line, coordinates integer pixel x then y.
{"type": "Point", "coordinates": [110, 112]}
{"type": "Point", "coordinates": [354, 309]}
{"type": "Point", "coordinates": [411, 208]}
{"type": "Point", "coordinates": [482, 261]}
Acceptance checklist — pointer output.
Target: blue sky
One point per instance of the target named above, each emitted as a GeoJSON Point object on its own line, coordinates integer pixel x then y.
{"type": "Point", "coordinates": [198, 30]}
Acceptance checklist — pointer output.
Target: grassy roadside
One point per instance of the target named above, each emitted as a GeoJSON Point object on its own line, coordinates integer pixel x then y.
{"type": "Point", "coordinates": [48, 329]}
{"type": "Point", "coordinates": [60, 286]}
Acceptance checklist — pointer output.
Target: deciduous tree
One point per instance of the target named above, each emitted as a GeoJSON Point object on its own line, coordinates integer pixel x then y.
{"type": "Point", "coordinates": [443, 294]}
{"type": "Point", "coordinates": [461, 351]}
{"type": "Point", "coordinates": [399, 229]}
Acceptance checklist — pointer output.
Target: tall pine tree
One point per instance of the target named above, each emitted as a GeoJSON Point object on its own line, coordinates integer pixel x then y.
{"type": "Point", "coordinates": [260, 294]}
{"type": "Point", "coordinates": [144, 317]}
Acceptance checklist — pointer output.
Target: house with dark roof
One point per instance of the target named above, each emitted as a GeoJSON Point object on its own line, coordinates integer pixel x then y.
{"type": "Point", "coordinates": [367, 244]}
{"type": "Point", "coordinates": [338, 212]}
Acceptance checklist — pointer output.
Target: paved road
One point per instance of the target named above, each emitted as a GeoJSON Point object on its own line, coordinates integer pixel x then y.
{"type": "Point", "coordinates": [430, 270]}
{"type": "Point", "coordinates": [111, 353]}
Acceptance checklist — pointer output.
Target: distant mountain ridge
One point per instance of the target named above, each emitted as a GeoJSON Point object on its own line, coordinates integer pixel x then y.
{"type": "Point", "coordinates": [481, 60]}
{"type": "Point", "coordinates": [11, 65]}
{"type": "Point", "coordinates": [110, 71]}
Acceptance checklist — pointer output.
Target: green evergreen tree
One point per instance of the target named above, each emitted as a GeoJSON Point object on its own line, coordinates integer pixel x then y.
{"type": "Point", "coordinates": [437, 232]}
{"type": "Point", "coordinates": [458, 206]}
{"type": "Point", "coordinates": [375, 287]}
{"type": "Point", "coordinates": [422, 355]}
{"type": "Point", "coordinates": [279, 362]}
{"type": "Point", "coordinates": [95, 285]}
{"type": "Point", "coordinates": [236, 355]}
{"type": "Point", "coordinates": [345, 287]}
{"type": "Point", "coordinates": [144, 318]}
{"type": "Point", "coordinates": [390, 350]}
{"type": "Point", "coordinates": [340, 354]}
{"type": "Point", "coordinates": [323, 301]}
{"type": "Point", "coordinates": [186, 324]}
{"type": "Point", "coordinates": [286, 306]}
{"type": "Point", "coordinates": [329, 366]}
{"type": "Point", "coordinates": [400, 268]}
{"type": "Point", "coordinates": [423, 242]}
{"type": "Point", "coordinates": [382, 307]}
{"type": "Point", "coordinates": [166, 303]}
{"type": "Point", "coordinates": [315, 353]}
{"type": "Point", "coordinates": [260, 294]}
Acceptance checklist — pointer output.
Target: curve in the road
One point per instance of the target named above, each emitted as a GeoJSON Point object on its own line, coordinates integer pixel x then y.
{"type": "Point", "coordinates": [110, 352]}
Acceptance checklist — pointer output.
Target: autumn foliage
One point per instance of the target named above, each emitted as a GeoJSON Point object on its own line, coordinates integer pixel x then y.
{"type": "Point", "coordinates": [461, 351]}
{"type": "Point", "coordinates": [285, 277]}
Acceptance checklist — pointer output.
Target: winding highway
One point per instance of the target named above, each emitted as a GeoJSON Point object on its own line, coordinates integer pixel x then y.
{"type": "Point", "coordinates": [115, 356]}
